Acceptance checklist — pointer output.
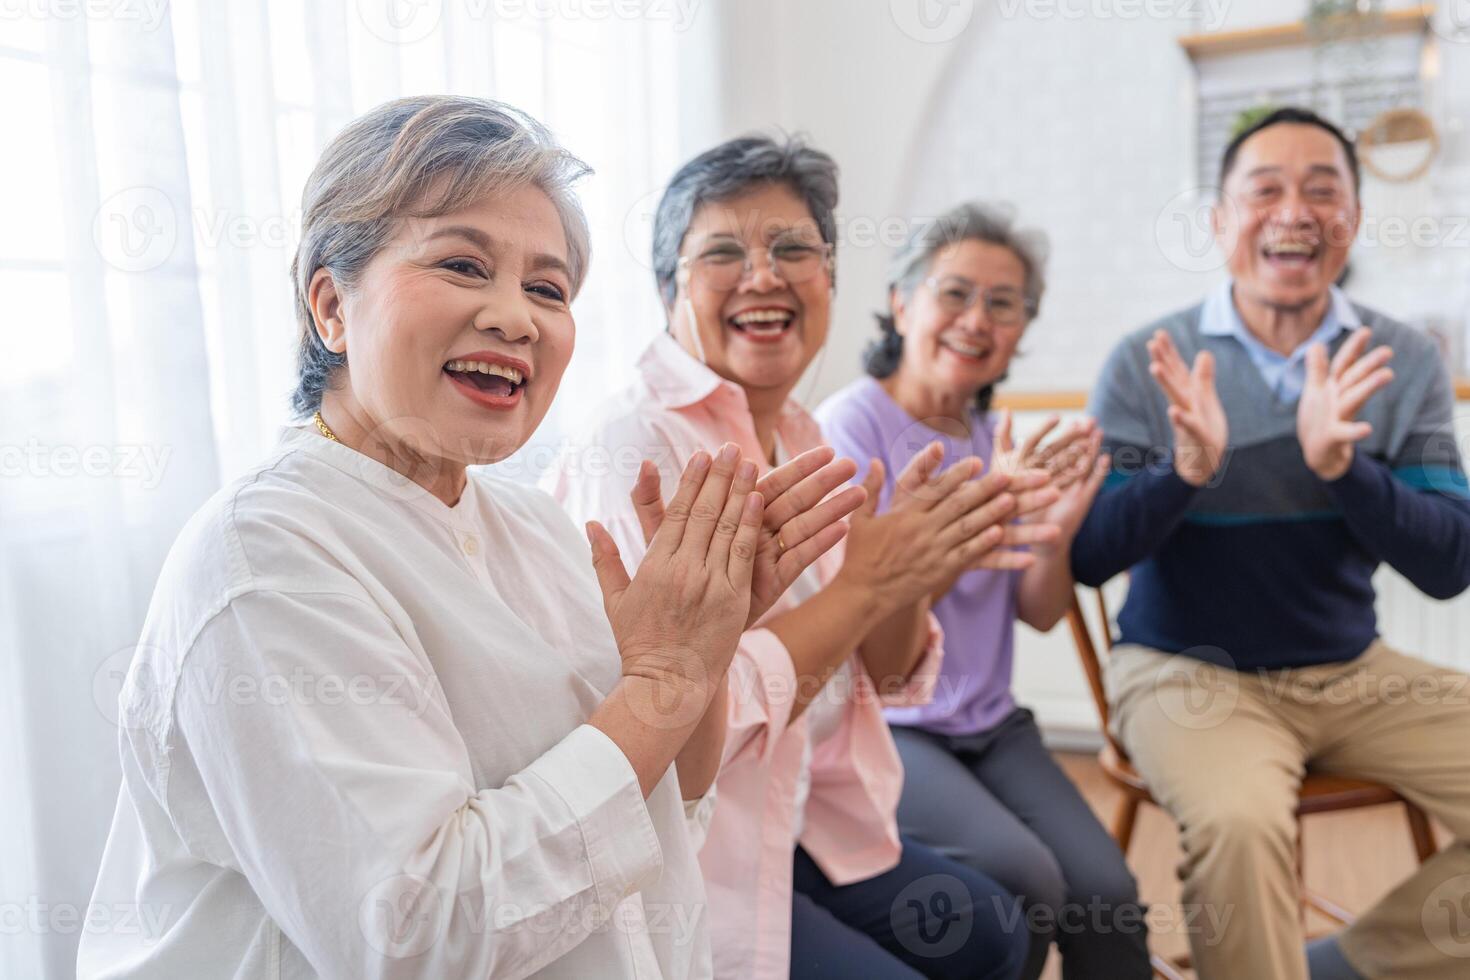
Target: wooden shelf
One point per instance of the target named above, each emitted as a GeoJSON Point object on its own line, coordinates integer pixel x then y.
{"type": "Point", "coordinates": [1041, 401]}
{"type": "Point", "coordinates": [1253, 39]}
{"type": "Point", "coordinates": [1076, 401]}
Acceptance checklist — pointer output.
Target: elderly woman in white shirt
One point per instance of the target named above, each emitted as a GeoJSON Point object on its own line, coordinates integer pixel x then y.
{"type": "Point", "coordinates": [385, 719]}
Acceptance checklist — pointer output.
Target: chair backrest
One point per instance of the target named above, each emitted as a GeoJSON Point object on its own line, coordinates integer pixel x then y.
{"type": "Point", "coordinates": [1087, 652]}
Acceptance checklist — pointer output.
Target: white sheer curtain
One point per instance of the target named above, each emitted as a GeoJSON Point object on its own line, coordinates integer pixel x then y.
{"type": "Point", "coordinates": [153, 157]}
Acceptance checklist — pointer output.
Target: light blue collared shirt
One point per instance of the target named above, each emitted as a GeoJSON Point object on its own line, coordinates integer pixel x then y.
{"type": "Point", "coordinates": [1284, 374]}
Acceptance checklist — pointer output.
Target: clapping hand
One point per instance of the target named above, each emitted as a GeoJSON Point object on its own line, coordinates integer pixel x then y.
{"type": "Point", "coordinates": [1326, 415]}
{"type": "Point", "coordinates": [803, 518]}
{"type": "Point", "coordinates": [678, 620]}
{"type": "Point", "coordinates": [1074, 464]}
{"type": "Point", "coordinates": [1201, 431]}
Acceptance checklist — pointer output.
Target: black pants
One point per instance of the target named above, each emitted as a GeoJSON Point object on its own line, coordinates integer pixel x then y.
{"type": "Point", "coordinates": [997, 802]}
{"type": "Point", "coordinates": [927, 917]}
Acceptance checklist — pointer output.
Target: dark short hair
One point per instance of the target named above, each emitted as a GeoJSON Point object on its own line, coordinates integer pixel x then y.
{"type": "Point", "coordinates": [730, 170]}
{"type": "Point", "coordinates": [1296, 116]}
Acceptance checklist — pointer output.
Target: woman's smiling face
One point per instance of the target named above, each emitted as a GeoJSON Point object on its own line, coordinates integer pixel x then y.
{"type": "Point", "coordinates": [962, 351]}
{"type": "Point", "coordinates": [762, 331]}
{"type": "Point", "coordinates": [459, 329]}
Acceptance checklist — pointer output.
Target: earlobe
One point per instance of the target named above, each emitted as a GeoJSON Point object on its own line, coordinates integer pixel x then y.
{"type": "Point", "coordinates": [326, 311]}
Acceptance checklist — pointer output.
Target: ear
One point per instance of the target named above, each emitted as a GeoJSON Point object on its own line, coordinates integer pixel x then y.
{"type": "Point", "coordinates": [1357, 216]}
{"type": "Point", "coordinates": [1218, 216]}
{"type": "Point", "coordinates": [681, 286]}
{"type": "Point", "coordinates": [682, 326]}
{"type": "Point", "coordinates": [675, 303]}
{"type": "Point", "coordinates": [326, 311]}
{"type": "Point", "coordinates": [898, 308]}
{"type": "Point", "coordinates": [679, 325]}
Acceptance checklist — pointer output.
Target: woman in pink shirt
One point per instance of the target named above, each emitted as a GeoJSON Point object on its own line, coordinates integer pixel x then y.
{"type": "Point", "coordinates": [806, 872]}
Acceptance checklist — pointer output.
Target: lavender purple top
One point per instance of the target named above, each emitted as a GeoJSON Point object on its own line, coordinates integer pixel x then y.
{"type": "Point", "coordinates": [973, 693]}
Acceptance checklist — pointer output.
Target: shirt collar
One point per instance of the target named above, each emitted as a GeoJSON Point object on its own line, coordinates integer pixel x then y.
{"type": "Point", "coordinates": [675, 379]}
{"type": "Point", "coordinates": [1219, 318]}
{"type": "Point", "coordinates": [383, 479]}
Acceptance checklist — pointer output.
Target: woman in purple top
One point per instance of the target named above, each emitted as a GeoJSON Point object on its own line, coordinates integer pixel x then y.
{"type": "Point", "coordinates": [979, 785]}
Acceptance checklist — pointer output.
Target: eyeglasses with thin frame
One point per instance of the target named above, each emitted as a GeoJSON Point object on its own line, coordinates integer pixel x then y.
{"type": "Point", "coordinates": [1004, 306]}
{"type": "Point", "coordinates": [724, 265]}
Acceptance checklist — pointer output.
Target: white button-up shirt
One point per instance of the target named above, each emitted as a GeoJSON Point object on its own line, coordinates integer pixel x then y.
{"type": "Point", "coordinates": [354, 745]}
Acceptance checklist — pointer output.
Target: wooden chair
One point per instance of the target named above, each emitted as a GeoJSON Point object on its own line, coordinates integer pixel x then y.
{"type": "Point", "coordinates": [1320, 793]}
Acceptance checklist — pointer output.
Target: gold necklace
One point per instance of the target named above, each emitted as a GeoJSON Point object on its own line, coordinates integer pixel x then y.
{"type": "Point", "coordinates": [322, 427]}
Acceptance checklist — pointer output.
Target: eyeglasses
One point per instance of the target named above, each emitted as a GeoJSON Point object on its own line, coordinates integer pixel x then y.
{"type": "Point", "coordinates": [1003, 305]}
{"type": "Point", "coordinates": [724, 265]}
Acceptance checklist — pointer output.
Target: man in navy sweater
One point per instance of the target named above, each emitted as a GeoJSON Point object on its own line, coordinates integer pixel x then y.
{"type": "Point", "coordinates": [1270, 448]}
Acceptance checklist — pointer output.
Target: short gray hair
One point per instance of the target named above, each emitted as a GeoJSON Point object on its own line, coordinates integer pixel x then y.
{"type": "Point", "coordinates": [417, 157]}
{"type": "Point", "coordinates": [729, 170]}
{"type": "Point", "coordinates": [970, 221]}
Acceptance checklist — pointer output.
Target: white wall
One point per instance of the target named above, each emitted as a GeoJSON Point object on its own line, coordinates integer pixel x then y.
{"type": "Point", "coordinates": [1083, 123]}
{"type": "Point", "coordinates": [1085, 126]}
{"type": "Point", "coordinates": [845, 74]}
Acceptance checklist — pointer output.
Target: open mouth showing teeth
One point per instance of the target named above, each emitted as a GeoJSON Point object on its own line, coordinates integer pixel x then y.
{"type": "Point", "coordinates": [497, 380]}
{"type": "Point", "coordinates": [964, 349]}
{"type": "Point", "coordinates": [1290, 253]}
{"type": "Point", "coordinates": [763, 323]}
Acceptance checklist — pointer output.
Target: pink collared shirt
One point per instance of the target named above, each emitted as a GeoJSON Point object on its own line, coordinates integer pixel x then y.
{"type": "Point", "coordinates": [676, 407]}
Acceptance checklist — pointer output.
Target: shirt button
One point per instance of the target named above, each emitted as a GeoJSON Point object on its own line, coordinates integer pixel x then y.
{"type": "Point", "coordinates": [471, 546]}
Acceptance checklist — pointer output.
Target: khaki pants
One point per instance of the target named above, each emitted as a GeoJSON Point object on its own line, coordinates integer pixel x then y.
{"type": "Point", "coordinates": [1224, 753]}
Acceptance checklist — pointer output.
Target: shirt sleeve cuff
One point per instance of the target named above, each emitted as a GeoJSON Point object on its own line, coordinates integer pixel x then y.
{"type": "Point", "coordinates": [697, 816]}
{"type": "Point", "coordinates": [762, 682]}
{"type": "Point", "coordinates": [600, 788]}
{"type": "Point", "coordinates": [1362, 482]}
